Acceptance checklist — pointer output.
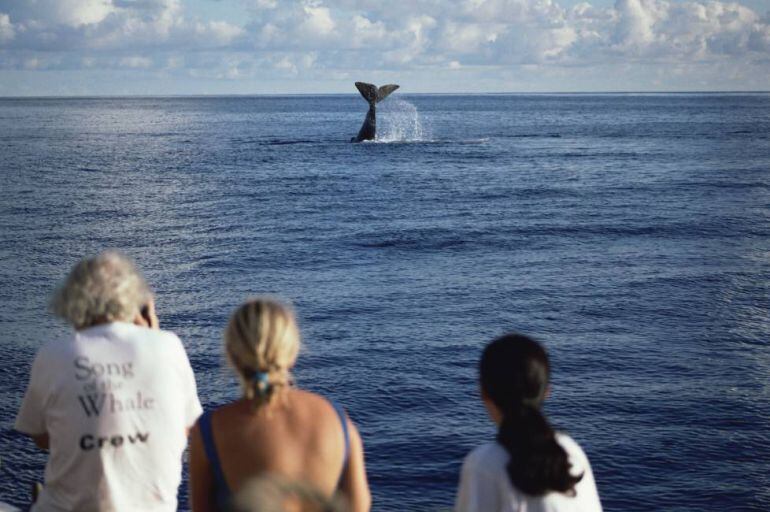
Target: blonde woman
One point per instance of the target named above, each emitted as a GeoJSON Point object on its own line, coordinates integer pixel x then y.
{"type": "Point", "coordinates": [275, 428]}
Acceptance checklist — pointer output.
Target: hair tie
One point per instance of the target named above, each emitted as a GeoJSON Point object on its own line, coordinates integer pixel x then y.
{"type": "Point", "coordinates": [262, 380]}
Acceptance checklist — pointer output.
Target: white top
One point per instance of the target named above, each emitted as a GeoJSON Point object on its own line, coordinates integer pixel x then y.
{"type": "Point", "coordinates": [116, 400]}
{"type": "Point", "coordinates": [486, 487]}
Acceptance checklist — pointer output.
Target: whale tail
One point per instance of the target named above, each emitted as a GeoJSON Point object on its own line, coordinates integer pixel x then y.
{"type": "Point", "coordinates": [373, 94]}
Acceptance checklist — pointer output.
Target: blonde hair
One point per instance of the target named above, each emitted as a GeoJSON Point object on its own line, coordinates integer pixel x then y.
{"type": "Point", "coordinates": [262, 343]}
{"type": "Point", "coordinates": [105, 288]}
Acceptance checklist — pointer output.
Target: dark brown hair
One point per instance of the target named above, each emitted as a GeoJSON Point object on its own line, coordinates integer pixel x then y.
{"type": "Point", "coordinates": [514, 374]}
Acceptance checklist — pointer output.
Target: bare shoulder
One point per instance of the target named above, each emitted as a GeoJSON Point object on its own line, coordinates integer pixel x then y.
{"type": "Point", "coordinates": [297, 407]}
{"type": "Point", "coordinates": [310, 407]}
{"type": "Point", "coordinates": [311, 402]}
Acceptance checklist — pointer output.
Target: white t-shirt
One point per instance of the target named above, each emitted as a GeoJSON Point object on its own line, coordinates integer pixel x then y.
{"type": "Point", "coordinates": [116, 400]}
{"type": "Point", "coordinates": [486, 487]}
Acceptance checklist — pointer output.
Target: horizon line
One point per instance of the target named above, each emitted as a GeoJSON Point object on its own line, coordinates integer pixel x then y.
{"type": "Point", "coordinates": [531, 93]}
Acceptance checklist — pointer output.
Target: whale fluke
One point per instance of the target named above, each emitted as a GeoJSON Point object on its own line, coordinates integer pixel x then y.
{"type": "Point", "coordinates": [373, 95]}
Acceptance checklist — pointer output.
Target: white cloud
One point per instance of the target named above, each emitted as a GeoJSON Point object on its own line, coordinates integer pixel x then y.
{"type": "Point", "coordinates": [286, 64]}
{"type": "Point", "coordinates": [135, 61]}
{"type": "Point", "coordinates": [663, 30]}
{"type": "Point", "coordinates": [68, 25]}
{"type": "Point", "coordinates": [218, 32]}
{"type": "Point", "coordinates": [634, 27]}
{"type": "Point", "coordinates": [264, 4]}
{"type": "Point", "coordinates": [467, 38]}
{"type": "Point", "coordinates": [366, 32]}
{"type": "Point", "coordinates": [73, 13]}
{"type": "Point", "coordinates": [6, 29]}
{"type": "Point", "coordinates": [342, 38]}
{"type": "Point", "coordinates": [318, 22]}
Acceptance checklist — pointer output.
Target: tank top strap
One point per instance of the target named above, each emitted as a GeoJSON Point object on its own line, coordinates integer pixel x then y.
{"type": "Point", "coordinates": [222, 490]}
{"type": "Point", "coordinates": [344, 421]}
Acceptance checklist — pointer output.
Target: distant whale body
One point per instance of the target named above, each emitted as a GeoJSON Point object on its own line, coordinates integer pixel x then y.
{"type": "Point", "coordinates": [373, 95]}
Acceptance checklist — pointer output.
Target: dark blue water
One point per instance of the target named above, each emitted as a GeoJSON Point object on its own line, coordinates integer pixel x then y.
{"type": "Point", "coordinates": [631, 233]}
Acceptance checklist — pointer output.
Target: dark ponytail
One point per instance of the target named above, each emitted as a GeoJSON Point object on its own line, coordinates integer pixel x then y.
{"type": "Point", "coordinates": [514, 376]}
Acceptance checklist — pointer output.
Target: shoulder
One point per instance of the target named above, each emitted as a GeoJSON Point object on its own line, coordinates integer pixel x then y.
{"type": "Point", "coordinates": [315, 403]}
{"type": "Point", "coordinates": [54, 351]}
{"type": "Point", "coordinates": [575, 453]}
{"type": "Point", "coordinates": [60, 344]}
{"type": "Point", "coordinates": [308, 397]}
{"type": "Point", "coordinates": [570, 445]}
{"type": "Point", "coordinates": [587, 495]}
{"type": "Point", "coordinates": [488, 458]}
{"type": "Point", "coordinates": [154, 350]}
{"type": "Point", "coordinates": [487, 453]}
{"type": "Point", "coordinates": [169, 340]}
{"type": "Point", "coordinates": [308, 408]}
{"type": "Point", "coordinates": [156, 335]}
{"type": "Point", "coordinates": [117, 334]}
{"type": "Point", "coordinates": [203, 421]}
{"type": "Point", "coordinates": [154, 340]}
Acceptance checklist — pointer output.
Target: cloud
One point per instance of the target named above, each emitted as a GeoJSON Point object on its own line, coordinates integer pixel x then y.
{"type": "Point", "coordinates": [467, 38]}
{"type": "Point", "coordinates": [73, 13]}
{"type": "Point", "coordinates": [6, 29]}
{"type": "Point", "coordinates": [635, 23]}
{"type": "Point", "coordinates": [222, 33]}
{"type": "Point", "coordinates": [135, 61]}
{"type": "Point", "coordinates": [318, 22]}
{"type": "Point", "coordinates": [312, 38]}
{"type": "Point", "coordinates": [109, 25]}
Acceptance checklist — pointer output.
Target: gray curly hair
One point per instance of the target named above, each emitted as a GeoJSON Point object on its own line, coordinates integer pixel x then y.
{"type": "Point", "coordinates": [105, 288]}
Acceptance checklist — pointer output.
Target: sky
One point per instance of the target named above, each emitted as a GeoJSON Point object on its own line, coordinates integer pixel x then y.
{"type": "Point", "coordinates": [184, 47]}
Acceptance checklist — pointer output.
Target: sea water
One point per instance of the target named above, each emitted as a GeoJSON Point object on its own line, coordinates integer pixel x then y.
{"type": "Point", "coordinates": [629, 233]}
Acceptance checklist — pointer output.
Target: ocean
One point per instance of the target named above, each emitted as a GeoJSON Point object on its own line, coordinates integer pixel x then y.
{"type": "Point", "coordinates": [630, 233]}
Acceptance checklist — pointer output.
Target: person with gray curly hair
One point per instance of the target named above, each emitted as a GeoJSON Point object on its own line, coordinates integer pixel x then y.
{"type": "Point", "coordinates": [114, 401]}
{"type": "Point", "coordinates": [107, 288]}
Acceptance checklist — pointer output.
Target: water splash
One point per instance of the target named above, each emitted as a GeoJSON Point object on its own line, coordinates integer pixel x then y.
{"type": "Point", "coordinates": [399, 121]}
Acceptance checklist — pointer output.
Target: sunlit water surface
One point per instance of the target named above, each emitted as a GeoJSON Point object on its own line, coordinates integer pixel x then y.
{"type": "Point", "coordinates": [629, 233]}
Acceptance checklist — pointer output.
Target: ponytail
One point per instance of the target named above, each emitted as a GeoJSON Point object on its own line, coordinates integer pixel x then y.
{"type": "Point", "coordinates": [514, 376]}
{"type": "Point", "coordinates": [261, 343]}
{"type": "Point", "coordinates": [262, 387]}
{"type": "Point", "coordinates": [538, 464]}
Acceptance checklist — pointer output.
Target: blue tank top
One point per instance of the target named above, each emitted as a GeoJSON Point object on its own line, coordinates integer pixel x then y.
{"type": "Point", "coordinates": [221, 489]}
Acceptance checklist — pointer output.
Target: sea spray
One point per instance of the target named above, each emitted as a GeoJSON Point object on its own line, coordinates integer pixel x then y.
{"type": "Point", "coordinates": [399, 121]}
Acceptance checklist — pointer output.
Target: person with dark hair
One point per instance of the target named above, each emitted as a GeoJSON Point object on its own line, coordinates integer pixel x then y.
{"type": "Point", "coordinates": [530, 466]}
